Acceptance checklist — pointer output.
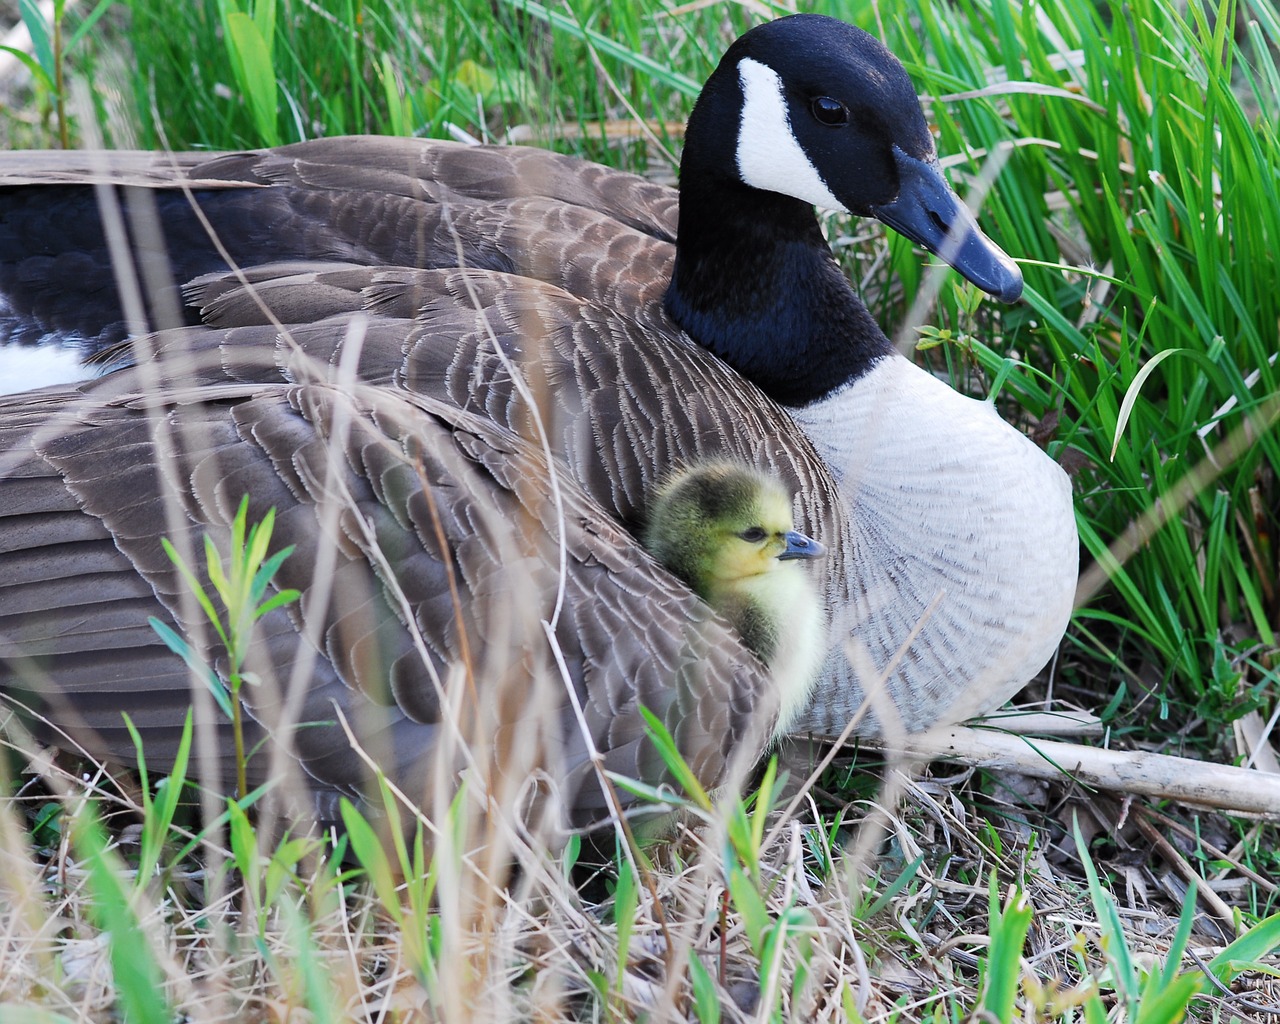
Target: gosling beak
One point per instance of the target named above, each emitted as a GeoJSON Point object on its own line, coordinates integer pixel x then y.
{"type": "Point", "coordinates": [929, 212]}
{"type": "Point", "coordinates": [800, 546]}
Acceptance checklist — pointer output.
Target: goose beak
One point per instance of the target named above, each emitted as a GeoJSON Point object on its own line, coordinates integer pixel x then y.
{"type": "Point", "coordinates": [800, 546]}
{"type": "Point", "coordinates": [929, 212]}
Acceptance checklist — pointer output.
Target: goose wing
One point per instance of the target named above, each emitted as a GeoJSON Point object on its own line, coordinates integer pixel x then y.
{"type": "Point", "coordinates": [365, 200]}
{"type": "Point", "coordinates": [621, 403]}
{"type": "Point", "coordinates": [428, 552]}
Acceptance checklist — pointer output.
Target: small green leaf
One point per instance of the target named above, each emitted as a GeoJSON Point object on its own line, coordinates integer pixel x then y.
{"type": "Point", "coordinates": [32, 65]}
{"type": "Point", "coordinates": [181, 648]}
{"type": "Point", "coordinates": [1167, 1003]}
{"type": "Point", "coordinates": [238, 524]}
{"type": "Point", "coordinates": [1007, 369]}
{"type": "Point", "coordinates": [254, 69]}
{"type": "Point", "coordinates": [624, 919]}
{"type": "Point", "coordinates": [849, 1003]}
{"type": "Point", "coordinates": [1094, 1010]}
{"type": "Point", "coordinates": [264, 18]}
{"type": "Point", "coordinates": [136, 975]}
{"type": "Point", "coordinates": [661, 795]}
{"type": "Point", "coordinates": [259, 539]}
{"type": "Point", "coordinates": [472, 76]}
{"type": "Point", "coordinates": [276, 601]}
{"type": "Point", "coordinates": [764, 802]}
{"type": "Point", "coordinates": [158, 813]}
{"type": "Point", "coordinates": [217, 575]}
{"type": "Point", "coordinates": [675, 762]}
{"type": "Point", "coordinates": [895, 887]}
{"type": "Point", "coordinates": [1186, 920]}
{"type": "Point", "coordinates": [1008, 927]}
{"type": "Point", "coordinates": [372, 856]}
{"type": "Point", "coordinates": [87, 23]}
{"type": "Point", "coordinates": [194, 586]}
{"type": "Point", "coordinates": [706, 998]}
{"type": "Point", "coordinates": [747, 901]}
{"type": "Point", "coordinates": [1259, 941]}
{"type": "Point", "coordinates": [41, 41]}
{"type": "Point", "coordinates": [266, 572]}
{"type": "Point", "coordinates": [397, 105]}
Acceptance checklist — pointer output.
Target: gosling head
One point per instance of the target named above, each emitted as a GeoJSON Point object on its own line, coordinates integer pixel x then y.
{"type": "Point", "coordinates": [720, 525]}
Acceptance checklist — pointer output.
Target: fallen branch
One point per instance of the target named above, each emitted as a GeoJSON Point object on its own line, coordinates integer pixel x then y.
{"type": "Point", "coordinates": [1160, 775]}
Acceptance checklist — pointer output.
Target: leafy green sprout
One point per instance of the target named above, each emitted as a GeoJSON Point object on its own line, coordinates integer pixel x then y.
{"type": "Point", "coordinates": [241, 588]}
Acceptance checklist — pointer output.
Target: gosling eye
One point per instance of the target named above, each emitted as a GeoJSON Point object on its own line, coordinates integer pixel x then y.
{"type": "Point", "coordinates": [753, 535]}
{"type": "Point", "coordinates": [828, 111]}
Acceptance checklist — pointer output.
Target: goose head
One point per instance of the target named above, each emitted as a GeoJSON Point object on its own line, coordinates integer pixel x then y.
{"type": "Point", "coordinates": [801, 112]}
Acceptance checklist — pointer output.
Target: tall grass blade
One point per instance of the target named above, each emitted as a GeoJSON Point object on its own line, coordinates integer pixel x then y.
{"type": "Point", "coordinates": [1008, 929]}
{"type": "Point", "coordinates": [139, 981]}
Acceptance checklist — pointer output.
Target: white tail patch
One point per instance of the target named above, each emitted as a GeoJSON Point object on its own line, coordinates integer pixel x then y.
{"type": "Point", "coordinates": [769, 157]}
{"type": "Point", "coordinates": [25, 368]}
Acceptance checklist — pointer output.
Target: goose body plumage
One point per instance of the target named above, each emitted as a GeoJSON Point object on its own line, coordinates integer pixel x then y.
{"type": "Point", "coordinates": [394, 338]}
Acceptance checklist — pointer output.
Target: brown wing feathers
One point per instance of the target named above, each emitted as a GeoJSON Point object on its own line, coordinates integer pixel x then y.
{"type": "Point", "coordinates": [390, 573]}
{"type": "Point", "coordinates": [422, 479]}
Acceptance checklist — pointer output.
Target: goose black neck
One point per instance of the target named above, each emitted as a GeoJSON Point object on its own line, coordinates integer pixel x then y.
{"type": "Point", "coordinates": [755, 283]}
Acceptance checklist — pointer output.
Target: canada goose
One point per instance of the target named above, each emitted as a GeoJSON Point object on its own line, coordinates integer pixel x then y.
{"type": "Point", "coordinates": [545, 298]}
{"type": "Point", "coordinates": [726, 530]}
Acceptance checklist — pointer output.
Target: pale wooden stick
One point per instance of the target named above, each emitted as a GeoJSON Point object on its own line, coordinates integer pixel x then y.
{"type": "Point", "coordinates": [1160, 775]}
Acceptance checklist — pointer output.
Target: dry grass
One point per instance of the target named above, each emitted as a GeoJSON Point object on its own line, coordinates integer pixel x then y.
{"type": "Point", "coordinates": [883, 918]}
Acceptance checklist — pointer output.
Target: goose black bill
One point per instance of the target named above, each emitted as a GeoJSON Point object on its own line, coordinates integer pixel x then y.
{"type": "Point", "coordinates": [929, 212]}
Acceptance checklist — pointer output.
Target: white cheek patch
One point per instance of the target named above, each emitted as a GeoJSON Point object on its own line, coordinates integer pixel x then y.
{"type": "Point", "coordinates": [769, 157]}
{"type": "Point", "coordinates": [24, 369]}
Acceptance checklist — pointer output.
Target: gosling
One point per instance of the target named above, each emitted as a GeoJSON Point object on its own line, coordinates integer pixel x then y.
{"type": "Point", "coordinates": [726, 530]}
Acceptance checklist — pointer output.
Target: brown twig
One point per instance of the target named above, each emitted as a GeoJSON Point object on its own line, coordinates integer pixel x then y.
{"type": "Point", "coordinates": [1188, 874]}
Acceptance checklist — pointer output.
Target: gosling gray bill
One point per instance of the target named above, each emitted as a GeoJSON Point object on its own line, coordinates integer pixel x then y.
{"type": "Point", "coordinates": [727, 531]}
{"type": "Point", "coordinates": [567, 309]}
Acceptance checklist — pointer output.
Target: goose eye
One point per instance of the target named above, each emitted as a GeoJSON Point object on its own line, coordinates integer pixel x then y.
{"type": "Point", "coordinates": [829, 112]}
{"type": "Point", "coordinates": [754, 535]}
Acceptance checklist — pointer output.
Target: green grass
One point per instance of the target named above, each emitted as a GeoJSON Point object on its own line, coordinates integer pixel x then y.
{"type": "Point", "coordinates": [1139, 185]}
